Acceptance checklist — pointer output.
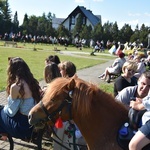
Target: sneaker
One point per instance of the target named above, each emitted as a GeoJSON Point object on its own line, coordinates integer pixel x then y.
{"type": "Point", "coordinates": [101, 76]}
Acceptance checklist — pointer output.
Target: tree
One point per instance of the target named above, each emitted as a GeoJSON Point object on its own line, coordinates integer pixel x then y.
{"type": "Point", "coordinates": [86, 32]}
{"type": "Point", "coordinates": [78, 27]}
{"type": "Point", "coordinates": [135, 35]}
{"type": "Point", "coordinates": [144, 35]}
{"type": "Point", "coordinates": [24, 26]}
{"type": "Point", "coordinates": [62, 32]}
{"type": "Point", "coordinates": [15, 23]}
{"type": "Point", "coordinates": [115, 32]}
{"type": "Point", "coordinates": [97, 33]}
{"type": "Point", "coordinates": [107, 32]}
{"type": "Point", "coordinates": [5, 17]}
{"type": "Point", "coordinates": [32, 25]}
{"type": "Point", "coordinates": [125, 33]}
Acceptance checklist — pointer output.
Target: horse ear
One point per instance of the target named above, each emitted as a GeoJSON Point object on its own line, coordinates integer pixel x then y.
{"type": "Point", "coordinates": [71, 84]}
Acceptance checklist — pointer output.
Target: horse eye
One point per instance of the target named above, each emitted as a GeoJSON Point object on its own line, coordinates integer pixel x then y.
{"type": "Point", "coordinates": [52, 100]}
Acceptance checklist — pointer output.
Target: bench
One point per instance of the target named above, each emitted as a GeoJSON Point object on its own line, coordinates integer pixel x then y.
{"type": "Point", "coordinates": [12, 43]}
{"type": "Point", "coordinates": [38, 138]}
{"type": "Point", "coordinates": [112, 76]}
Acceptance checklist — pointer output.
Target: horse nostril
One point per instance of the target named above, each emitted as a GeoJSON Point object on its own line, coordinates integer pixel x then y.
{"type": "Point", "coordinates": [29, 117]}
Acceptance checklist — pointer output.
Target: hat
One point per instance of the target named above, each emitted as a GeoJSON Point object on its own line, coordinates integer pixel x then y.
{"type": "Point", "coordinates": [121, 55]}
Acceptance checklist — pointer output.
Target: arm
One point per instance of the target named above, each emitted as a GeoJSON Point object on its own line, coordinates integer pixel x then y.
{"type": "Point", "coordinates": [124, 97]}
{"type": "Point", "coordinates": [137, 105]}
{"type": "Point", "coordinates": [140, 105]}
{"type": "Point", "coordinates": [146, 102]}
{"type": "Point", "coordinates": [14, 91]}
{"type": "Point", "coordinates": [140, 67]}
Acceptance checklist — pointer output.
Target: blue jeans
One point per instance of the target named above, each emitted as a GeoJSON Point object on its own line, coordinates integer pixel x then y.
{"type": "Point", "coordinates": [145, 129]}
{"type": "Point", "coordinates": [16, 126]}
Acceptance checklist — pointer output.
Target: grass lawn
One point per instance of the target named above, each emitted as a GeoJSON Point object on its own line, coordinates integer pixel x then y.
{"type": "Point", "coordinates": [107, 87]}
{"type": "Point", "coordinates": [35, 56]}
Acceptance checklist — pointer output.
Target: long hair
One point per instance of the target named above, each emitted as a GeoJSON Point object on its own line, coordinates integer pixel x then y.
{"type": "Point", "coordinates": [18, 70]}
{"type": "Point", "coordinates": [51, 71]}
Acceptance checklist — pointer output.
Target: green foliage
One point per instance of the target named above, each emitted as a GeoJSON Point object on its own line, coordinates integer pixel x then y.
{"type": "Point", "coordinates": [125, 33]}
{"type": "Point", "coordinates": [5, 17]}
{"type": "Point", "coordinates": [97, 32]}
{"type": "Point", "coordinates": [86, 32]}
{"type": "Point", "coordinates": [63, 32]}
{"type": "Point", "coordinates": [78, 25]}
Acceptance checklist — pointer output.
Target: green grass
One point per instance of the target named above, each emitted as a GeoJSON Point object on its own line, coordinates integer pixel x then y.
{"type": "Point", "coordinates": [107, 87]}
{"type": "Point", "coordinates": [35, 58]}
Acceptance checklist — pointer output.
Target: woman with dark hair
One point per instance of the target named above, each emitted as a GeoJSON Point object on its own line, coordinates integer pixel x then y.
{"type": "Point", "coordinates": [51, 71]}
{"type": "Point", "coordinates": [22, 87]}
{"type": "Point", "coordinates": [52, 58]}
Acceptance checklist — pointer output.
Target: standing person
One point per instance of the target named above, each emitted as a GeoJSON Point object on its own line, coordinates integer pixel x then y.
{"type": "Point", "coordinates": [67, 69]}
{"type": "Point", "coordinates": [126, 79]}
{"type": "Point", "coordinates": [115, 68]}
{"type": "Point", "coordinates": [137, 92]}
{"type": "Point", "coordinates": [23, 87]}
{"type": "Point", "coordinates": [142, 136]}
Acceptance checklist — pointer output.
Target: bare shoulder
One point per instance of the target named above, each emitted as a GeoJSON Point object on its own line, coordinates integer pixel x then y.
{"type": "Point", "coordinates": [14, 91]}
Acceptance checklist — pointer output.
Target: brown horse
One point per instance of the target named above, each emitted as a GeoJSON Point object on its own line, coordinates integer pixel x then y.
{"type": "Point", "coordinates": [96, 113]}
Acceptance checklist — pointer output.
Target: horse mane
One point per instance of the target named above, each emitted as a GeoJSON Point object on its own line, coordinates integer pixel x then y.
{"type": "Point", "coordinates": [85, 95]}
{"type": "Point", "coordinates": [88, 94]}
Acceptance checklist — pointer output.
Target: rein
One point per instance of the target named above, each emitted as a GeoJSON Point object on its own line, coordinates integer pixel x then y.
{"type": "Point", "coordinates": [67, 101]}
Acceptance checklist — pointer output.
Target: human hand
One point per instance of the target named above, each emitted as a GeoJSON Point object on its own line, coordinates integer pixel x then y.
{"type": "Point", "coordinates": [138, 105]}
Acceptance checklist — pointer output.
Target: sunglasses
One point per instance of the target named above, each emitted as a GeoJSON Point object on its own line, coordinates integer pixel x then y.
{"type": "Point", "coordinates": [130, 70]}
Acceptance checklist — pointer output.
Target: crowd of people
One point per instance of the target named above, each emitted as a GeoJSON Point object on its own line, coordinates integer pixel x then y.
{"type": "Point", "coordinates": [131, 88]}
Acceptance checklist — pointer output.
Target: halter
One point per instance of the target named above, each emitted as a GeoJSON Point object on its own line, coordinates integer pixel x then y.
{"type": "Point", "coordinates": [67, 101]}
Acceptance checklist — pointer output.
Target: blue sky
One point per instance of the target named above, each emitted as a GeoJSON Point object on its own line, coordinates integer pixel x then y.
{"type": "Point", "coordinates": [132, 12]}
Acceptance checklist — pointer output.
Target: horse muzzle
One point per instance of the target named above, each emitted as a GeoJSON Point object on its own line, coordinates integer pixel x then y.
{"type": "Point", "coordinates": [37, 123]}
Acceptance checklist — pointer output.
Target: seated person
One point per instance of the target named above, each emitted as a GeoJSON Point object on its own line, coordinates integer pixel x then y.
{"type": "Point", "coordinates": [52, 58]}
{"type": "Point", "coordinates": [142, 137]}
{"type": "Point", "coordinates": [115, 68]}
{"type": "Point", "coordinates": [67, 69]}
{"type": "Point", "coordinates": [137, 92]}
{"type": "Point", "coordinates": [147, 60]}
{"type": "Point", "coordinates": [130, 56]}
{"type": "Point", "coordinates": [22, 86]}
{"type": "Point", "coordinates": [141, 66]}
{"type": "Point", "coordinates": [51, 71]}
{"type": "Point", "coordinates": [126, 79]}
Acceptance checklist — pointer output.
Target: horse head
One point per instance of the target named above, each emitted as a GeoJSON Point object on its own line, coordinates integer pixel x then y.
{"type": "Point", "coordinates": [96, 113]}
{"type": "Point", "coordinates": [56, 103]}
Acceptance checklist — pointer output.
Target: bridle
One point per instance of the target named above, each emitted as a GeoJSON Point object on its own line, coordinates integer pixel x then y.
{"type": "Point", "coordinates": [67, 101]}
